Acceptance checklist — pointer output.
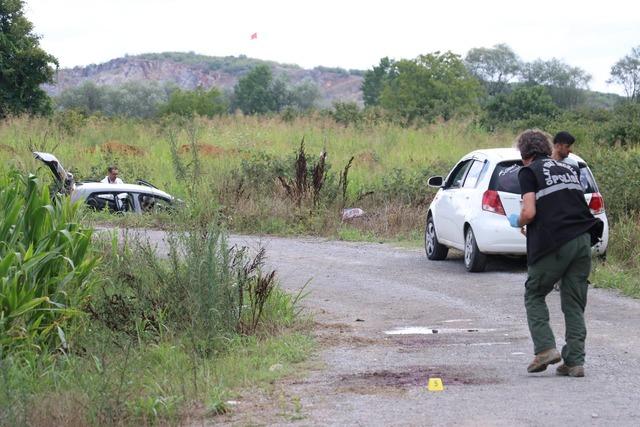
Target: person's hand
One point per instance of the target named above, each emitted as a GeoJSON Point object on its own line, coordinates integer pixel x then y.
{"type": "Point", "coordinates": [513, 220]}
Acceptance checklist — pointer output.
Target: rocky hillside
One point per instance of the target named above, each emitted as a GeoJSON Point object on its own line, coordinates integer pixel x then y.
{"type": "Point", "coordinates": [189, 70]}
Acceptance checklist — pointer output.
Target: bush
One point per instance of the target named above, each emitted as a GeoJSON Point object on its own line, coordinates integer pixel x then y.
{"type": "Point", "coordinates": [530, 105]}
{"type": "Point", "coordinates": [624, 127]}
{"type": "Point", "coordinates": [46, 266]}
{"type": "Point", "coordinates": [206, 291]}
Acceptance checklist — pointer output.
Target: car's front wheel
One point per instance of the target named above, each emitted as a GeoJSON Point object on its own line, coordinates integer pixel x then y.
{"type": "Point", "coordinates": [474, 260]}
{"type": "Point", "coordinates": [434, 249]}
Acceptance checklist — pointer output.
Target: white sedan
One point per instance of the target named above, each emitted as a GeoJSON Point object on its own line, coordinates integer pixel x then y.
{"type": "Point", "coordinates": [470, 210]}
{"type": "Point", "coordinates": [140, 198]}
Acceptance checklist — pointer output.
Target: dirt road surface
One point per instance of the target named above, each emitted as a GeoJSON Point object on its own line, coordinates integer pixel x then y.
{"type": "Point", "coordinates": [479, 345]}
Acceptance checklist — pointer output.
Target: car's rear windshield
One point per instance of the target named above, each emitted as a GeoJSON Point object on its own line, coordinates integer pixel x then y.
{"type": "Point", "coordinates": [505, 178]}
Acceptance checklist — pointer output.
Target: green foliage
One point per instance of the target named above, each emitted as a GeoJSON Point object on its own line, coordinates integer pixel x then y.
{"type": "Point", "coordinates": [616, 171]}
{"type": "Point", "coordinates": [624, 127]}
{"type": "Point", "coordinates": [495, 67]}
{"type": "Point", "coordinates": [259, 93]}
{"type": "Point", "coordinates": [305, 95]}
{"type": "Point", "coordinates": [197, 102]}
{"type": "Point", "coordinates": [622, 267]}
{"type": "Point", "coordinates": [431, 86]}
{"type": "Point", "coordinates": [46, 266]}
{"type": "Point", "coordinates": [24, 66]}
{"type": "Point", "coordinates": [133, 99]}
{"type": "Point", "coordinates": [346, 113]}
{"type": "Point", "coordinates": [374, 81]}
{"type": "Point", "coordinates": [626, 72]}
{"type": "Point", "coordinates": [525, 104]}
{"type": "Point", "coordinates": [563, 81]}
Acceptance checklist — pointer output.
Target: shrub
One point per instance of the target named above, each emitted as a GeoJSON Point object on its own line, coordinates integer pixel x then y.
{"type": "Point", "coordinates": [624, 127]}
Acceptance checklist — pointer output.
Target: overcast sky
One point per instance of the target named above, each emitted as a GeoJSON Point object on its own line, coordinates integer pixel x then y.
{"type": "Point", "coordinates": [348, 34]}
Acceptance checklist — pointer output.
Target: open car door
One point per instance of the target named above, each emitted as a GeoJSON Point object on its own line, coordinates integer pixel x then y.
{"type": "Point", "coordinates": [63, 178]}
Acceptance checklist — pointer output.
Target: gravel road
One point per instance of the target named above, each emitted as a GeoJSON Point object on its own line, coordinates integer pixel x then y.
{"type": "Point", "coordinates": [479, 345]}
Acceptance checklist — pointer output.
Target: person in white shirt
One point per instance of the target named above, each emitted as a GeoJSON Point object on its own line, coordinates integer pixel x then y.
{"type": "Point", "coordinates": [112, 176]}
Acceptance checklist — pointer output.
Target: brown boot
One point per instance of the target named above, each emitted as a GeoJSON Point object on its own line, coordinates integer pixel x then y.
{"type": "Point", "coordinates": [544, 359]}
{"type": "Point", "coordinates": [570, 371]}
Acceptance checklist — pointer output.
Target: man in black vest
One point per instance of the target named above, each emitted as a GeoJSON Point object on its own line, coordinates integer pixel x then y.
{"type": "Point", "coordinates": [560, 233]}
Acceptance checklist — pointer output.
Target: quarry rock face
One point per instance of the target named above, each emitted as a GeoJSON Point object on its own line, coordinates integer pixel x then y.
{"type": "Point", "coordinates": [338, 85]}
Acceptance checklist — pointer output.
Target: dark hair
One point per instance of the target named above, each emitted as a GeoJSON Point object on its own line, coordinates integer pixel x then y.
{"type": "Point", "coordinates": [563, 137]}
{"type": "Point", "coordinates": [111, 168]}
{"type": "Point", "coordinates": [533, 142]}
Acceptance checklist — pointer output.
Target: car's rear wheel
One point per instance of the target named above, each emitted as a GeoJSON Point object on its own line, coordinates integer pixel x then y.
{"type": "Point", "coordinates": [434, 249]}
{"type": "Point", "coordinates": [474, 260]}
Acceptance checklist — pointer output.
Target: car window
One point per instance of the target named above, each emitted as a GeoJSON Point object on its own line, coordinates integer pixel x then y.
{"type": "Point", "coordinates": [505, 177]}
{"type": "Point", "coordinates": [587, 180]}
{"type": "Point", "coordinates": [152, 203]}
{"type": "Point", "coordinates": [456, 178]}
{"type": "Point", "coordinates": [474, 174]}
{"type": "Point", "coordinates": [113, 202]}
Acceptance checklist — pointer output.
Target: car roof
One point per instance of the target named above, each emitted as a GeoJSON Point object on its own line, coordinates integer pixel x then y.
{"type": "Point", "coordinates": [123, 188]}
{"type": "Point", "coordinates": [504, 154]}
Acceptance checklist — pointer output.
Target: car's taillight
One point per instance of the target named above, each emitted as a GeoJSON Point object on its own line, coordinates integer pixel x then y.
{"type": "Point", "coordinates": [491, 202]}
{"type": "Point", "coordinates": [596, 204]}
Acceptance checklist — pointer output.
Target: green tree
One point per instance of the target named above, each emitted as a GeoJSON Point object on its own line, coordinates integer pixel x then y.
{"type": "Point", "coordinates": [495, 67]}
{"type": "Point", "coordinates": [626, 72]}
{"type": "Point", "coordinates": [24, 66]}
{"type": "Point", "coordinates": [523, 103]}
{"type": "Point", "coordinates": [374, 81]}
{"type": "Point", "coordinates": [87, 98]}
{"type": "Point", "coordinates": [566, 84]}
{"type": "Point", "coordinates": [258, 92]}
{"type": "Point", "coordinates": [430, 86]}
{"type": "Point", "coordinates": [305, 95]}
{"type": "Point", "coordinates": [195, 102]}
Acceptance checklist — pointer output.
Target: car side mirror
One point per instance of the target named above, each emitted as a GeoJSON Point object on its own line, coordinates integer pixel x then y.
{"type": "Point", "coordinates": [435, 181]}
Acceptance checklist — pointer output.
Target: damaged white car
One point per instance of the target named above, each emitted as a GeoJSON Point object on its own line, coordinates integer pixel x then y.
{"type": "Point", "coordinates": [139, 198]}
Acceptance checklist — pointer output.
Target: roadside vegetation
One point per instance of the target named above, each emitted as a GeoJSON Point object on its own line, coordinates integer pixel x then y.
{"type": "Point", "coordinates": [104, 331]}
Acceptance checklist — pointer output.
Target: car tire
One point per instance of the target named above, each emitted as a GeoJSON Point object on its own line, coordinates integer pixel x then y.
{"type": "Point", "coordinates": [474, 260]}
{"type": "Point", "coordinates": [435, 250]}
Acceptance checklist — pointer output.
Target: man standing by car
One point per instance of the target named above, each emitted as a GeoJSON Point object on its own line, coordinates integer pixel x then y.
{"type": "Point", "coordinates": [560, 233]}
{"type": "Point", "coordinates": [562, 142]}
{"type": "Point", "coordinates": [112, 176]}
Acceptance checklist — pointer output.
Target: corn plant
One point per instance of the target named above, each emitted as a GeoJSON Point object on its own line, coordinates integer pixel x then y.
{"type": "Point", "coordinates": [45, 265]}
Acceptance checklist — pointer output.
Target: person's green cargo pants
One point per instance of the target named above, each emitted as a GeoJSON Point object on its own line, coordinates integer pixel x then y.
{"type": "Point", "coordinates": [571, 263]}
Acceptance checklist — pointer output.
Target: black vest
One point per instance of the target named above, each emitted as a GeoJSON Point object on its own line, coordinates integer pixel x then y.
{"type": "Point", "coordinates": [562, 213]}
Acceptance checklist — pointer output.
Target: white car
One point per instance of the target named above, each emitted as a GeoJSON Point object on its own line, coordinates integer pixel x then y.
{"type": "Point", "coordinates": [470, 210]}
{"type": "Point", "coordinates": [141, 197]}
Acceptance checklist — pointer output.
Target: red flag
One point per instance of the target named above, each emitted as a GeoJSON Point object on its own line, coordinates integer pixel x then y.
{"type": "Point", "coordinates": [254, 36]}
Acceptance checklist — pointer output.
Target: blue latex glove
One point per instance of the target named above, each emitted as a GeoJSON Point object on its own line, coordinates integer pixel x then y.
{"type": "Point", "coordinates": [513, 220]}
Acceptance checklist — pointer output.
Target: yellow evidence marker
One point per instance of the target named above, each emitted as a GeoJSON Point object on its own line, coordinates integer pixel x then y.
{"type": "Point", "coordinates": [435, 384]}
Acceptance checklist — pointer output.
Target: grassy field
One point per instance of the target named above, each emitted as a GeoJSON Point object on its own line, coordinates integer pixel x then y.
{"type": "Point", "coordinates": [238, 160]}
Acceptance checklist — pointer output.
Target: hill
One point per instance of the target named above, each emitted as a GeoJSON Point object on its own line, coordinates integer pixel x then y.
{"type": "Point", "coordinates": [190, 70]}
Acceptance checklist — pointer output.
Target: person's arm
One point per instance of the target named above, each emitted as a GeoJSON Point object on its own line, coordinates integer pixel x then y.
{"type": "Point", "coordinates": [528, 211]}
{"type": "Point", "coordinates": [528, 187]}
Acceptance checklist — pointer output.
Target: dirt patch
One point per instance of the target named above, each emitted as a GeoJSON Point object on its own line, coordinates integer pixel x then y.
{"type": "Point", "coordinates": [409, 377]}
{"type": "Point", "coordinates": [7, 149]}
{"type": "Point", "coordinates": [367, 158]}
{"type": "Point", "coordinates": [207, 150]}
{"type": "Point", "coordinates": [115, 147]}
{"type": "Point", "coordinates": [341, 327]}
